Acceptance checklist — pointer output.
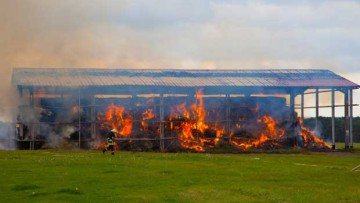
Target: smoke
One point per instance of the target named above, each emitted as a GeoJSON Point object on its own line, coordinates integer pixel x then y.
{"type": "Point", "coordinates": [176, 34]}
{"type": "Point", "coordinates": [6, 139]}
{"type": "Point", "coordinates": [59, 140]}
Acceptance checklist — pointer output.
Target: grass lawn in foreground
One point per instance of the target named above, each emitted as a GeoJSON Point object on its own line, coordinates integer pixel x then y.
{"type": "Point", "coordinates": [90, 176]}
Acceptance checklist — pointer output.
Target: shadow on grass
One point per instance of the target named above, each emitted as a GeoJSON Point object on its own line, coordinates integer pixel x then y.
{"type": "Point", "coordinates": [25, 186]}
{"type": "Point", "coordinates": [39, 194]}
{"type": "Point", "coordinates": [70, 191]}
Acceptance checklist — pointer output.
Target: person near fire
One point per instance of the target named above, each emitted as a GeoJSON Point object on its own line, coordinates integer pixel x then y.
{"type": "Point", "coordinates": [110, 142]}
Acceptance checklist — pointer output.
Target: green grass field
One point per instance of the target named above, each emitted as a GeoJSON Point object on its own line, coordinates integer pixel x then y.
{"type": "Point", "coordinates": [341, 145]}
{"type": "Point", "coordinates": [90, 176]}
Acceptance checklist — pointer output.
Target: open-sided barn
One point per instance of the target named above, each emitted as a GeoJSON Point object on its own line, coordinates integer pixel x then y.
{"type": "Point", "coordinates": [158, 109]}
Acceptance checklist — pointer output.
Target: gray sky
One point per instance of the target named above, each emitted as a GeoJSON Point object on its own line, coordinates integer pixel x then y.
{"type": "Point", "coordinates": [180, 34]}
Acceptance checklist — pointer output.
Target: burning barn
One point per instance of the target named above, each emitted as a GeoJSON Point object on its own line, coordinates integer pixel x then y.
{"type": "Point", "coordinates": [172, 110]}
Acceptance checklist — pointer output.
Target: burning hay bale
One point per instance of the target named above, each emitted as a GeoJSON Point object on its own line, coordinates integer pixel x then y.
{"type": "Point", "coordinates": [188, 125]}
{"type": "Point", "coordinates": [188, 129]}
{"type": "Point", "coordinates": [309, 140]}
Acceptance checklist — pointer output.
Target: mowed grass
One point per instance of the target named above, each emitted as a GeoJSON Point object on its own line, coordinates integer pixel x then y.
{"type": "Point", "coordinates": [341, 145]}
{"type": "Point", "coordinates": [90, 176]}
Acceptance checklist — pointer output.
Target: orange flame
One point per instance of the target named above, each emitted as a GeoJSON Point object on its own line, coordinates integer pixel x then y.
{"type": "Point", "coordinates": [188, 140]}
{"type": "Point", "coordinates": [271, 133]}
{"type": "Point", "coordinates": [75, 109]}
{"type": "Point", "coordinates": [194, 133]}
{"type": "Point", "coordinates": [241, 143]}
{"type": "Point", "coordinates": [194, 127]}
{"type": "Point", "coordinates": [117, 118]}
{"type": "Point", "coordinates": [147, 115]}
{"type": "Point", "coordinates": [310, 140]}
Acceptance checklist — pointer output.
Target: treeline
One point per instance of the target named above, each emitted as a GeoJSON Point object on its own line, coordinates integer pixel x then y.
{"type": "Point", "coordinates": [325, 127]}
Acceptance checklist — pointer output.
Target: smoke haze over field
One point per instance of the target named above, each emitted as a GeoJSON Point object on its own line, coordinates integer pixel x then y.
{"type": "Point", "coordinates": [178, 34]}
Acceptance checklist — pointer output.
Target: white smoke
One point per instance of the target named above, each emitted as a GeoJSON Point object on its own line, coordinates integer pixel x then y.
{"type": "Point", "coordinates": [60, 140]}
{"type": "Point", "coordinates": [6, 136]}
{"type": "Point", "coordinates": [175, 34]}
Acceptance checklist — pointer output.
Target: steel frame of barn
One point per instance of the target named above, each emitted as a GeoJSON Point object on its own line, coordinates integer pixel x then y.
{"type": "Point", "coordinates": [84, 84]}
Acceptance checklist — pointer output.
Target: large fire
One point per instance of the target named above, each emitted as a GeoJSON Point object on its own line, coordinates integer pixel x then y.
{"type": "Point", "coordinates": [116, 117]}
{"type": "Point", "coordinates": [189, 123]}
{"type": "Point", "coordinates": [193, 126]}
{"type": "Point", "coordinates": [270, 134]}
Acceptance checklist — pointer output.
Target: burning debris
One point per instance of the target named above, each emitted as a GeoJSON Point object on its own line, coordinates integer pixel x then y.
{"type": "Point", "coordinates": [309, 139]}
{"type": "Point", "coordinates": [269, 135]}
{"type": "Point", "coordinates": [192, 131]}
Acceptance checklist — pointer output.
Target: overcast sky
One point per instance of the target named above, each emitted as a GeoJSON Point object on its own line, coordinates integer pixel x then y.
{"type": "Point", "coordinates": [180, 34]}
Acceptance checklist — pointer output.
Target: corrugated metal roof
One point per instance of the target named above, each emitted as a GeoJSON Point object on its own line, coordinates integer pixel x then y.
{"type": "Point", "coordinates": [182, 78]}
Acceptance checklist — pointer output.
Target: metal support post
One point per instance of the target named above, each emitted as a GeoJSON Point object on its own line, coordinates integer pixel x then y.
{"type": "Point", "coordinates": [31, 97]}
{"type": "Point", "coordinates": [347, 130]}
{"type": "Point", "coordinates": [21, 131]}
{"type": "Point", "coordinates": [32, 126]}
{"type": "Point", "coordinates": [228, 122]}
{"type": "Point", "coordinates": [351, 119]}
{"type": "Point", "coordinates": [162, 120]}
{"type": "Point", "coordinates": [292, 104]}
{"type": "Point", "coordinates": [93, 118]}
{"type": "Point", "coordinates": [317, 110]}
{"type": "Point", "coordinates": [196, 116]}
{"type": "Point", "coordinates": [302, 105]}
{"type": "Point", "coordinates": [333, 117]}
{"type": "Point", "coordinates": [79, 134]}
{"type": "Point", "coordinates": [293, 119]}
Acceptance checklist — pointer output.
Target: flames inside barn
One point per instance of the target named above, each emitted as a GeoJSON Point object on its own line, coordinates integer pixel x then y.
{"type": "Point", "coordinates": [173, 110]}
